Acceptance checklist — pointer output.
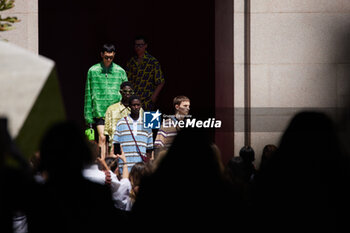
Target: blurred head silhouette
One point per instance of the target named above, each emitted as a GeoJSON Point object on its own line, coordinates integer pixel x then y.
{"type": "Point", "coordinates": [64, 151]}
{"type": "Point", "coordinates": [308, 151]}
{"type": "Point", "coordinates": [309, 146]}
{"type": "Point", "coordinates": [247, 154]}
{"type": "Point", "coordinates": [188, 181]}
{"type": "Point", "coordinates": [267, 153]}
{"type": "Point", "coordinates": [192, 154]}
{"type": "Point", "coordinates": [306, 173]}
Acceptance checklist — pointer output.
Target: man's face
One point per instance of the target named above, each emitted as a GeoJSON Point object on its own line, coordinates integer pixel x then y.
{"type": "Point", "coordinates": [140, 47]}
{"type": "Point", "coordinates": [107, 58]}
{"type": "Point", "coordinates": [126, 92]}
{"type": "Point", "coordinates": [135, 106]}
{"type": "Point", "coordinates": [183, 108]}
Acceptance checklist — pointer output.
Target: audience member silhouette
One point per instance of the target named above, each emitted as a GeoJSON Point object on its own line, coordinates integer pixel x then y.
{"type": "Point", "coordinates": [240, 172]}
{"type": "Point", "coordinates": [15, 181]}
{"type": "Point", "coordinates": [187, 190]}
{"type": "Point", "coordinates": [138, 171]}
{"type": "Point", "coordinates": [304, 188]}
{"type": "Point", "coordinates": [67, 202]}
{"type": "Point", "coordinates": [238, 175]}
{"type": "Point", "coordinates": [248, 156]}
{"type": "Point", "coordinates": [112, 163]}
{"type": "Point", "coordinates": [268, 151]}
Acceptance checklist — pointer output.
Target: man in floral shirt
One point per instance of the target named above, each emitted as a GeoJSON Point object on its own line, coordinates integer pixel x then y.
{"type": "Point", "coordinates": [145, 74]}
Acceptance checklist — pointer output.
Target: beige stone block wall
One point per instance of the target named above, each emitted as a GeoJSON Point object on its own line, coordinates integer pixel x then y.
{"type": "Point", "coordinates": [25, 33]}
{"type": "Point", "coordinates": [299, 59]}
{"type": "Point", "coordinates": [300, 6]}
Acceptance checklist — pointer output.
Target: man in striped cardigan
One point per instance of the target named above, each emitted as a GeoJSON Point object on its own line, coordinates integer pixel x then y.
{"type": "Point", "coordinates": [169, 129]}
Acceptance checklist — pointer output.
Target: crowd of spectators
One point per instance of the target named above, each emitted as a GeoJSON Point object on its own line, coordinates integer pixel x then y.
{"type": "Point", "coordinates": [300, 185]}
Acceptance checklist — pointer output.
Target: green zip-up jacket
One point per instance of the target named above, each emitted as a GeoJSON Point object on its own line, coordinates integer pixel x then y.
{"type": "Point", "coordinates": [102, 89]}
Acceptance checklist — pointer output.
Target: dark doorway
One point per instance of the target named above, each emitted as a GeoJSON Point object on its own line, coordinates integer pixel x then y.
{"type": "Point", "coordinates": [180, 33]}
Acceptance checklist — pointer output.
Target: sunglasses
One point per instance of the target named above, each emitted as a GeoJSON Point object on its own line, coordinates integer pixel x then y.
{"type": "Point", "coordinates": [108, 57]}
{"type": "Point", "coordinates": [126, 92]}
{"type": "Point", "coordinates": [139, 45]}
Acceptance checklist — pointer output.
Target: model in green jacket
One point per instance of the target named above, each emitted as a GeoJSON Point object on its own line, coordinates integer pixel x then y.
{"type": "Point", "coordinates": [102, 90]}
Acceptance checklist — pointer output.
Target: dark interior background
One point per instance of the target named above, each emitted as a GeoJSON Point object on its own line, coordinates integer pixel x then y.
{"type": "Point", "coordinates": [180, 33]}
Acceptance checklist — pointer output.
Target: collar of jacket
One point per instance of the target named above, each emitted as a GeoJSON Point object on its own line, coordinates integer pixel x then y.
{"type": "Point", "coordinates": [105, 69]}
{"type": "Point", "coordinates": [145, 58]}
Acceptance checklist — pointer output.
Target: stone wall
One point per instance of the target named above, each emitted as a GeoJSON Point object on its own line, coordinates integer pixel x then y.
{"type": "Point", "coordinates": [25, 33]}
{"type": "Point", "coordinates": [299, 59]}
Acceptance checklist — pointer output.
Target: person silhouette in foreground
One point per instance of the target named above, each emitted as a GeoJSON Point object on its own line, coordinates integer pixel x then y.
{"type": "Point", "coordinates": [15, 180]}
{"type": "Point", "coordinates": [267, 153]}
{"type": "Point", "coordinates": [67, 202]}
{"type": "Point", "coordinates": [187, 190]}
{"type": "Point", "coordinates": [248, 156]}
{"type": "Point", "coordinates": [304, 185]}
{"type": "Point", "coordinates": [240, 172]}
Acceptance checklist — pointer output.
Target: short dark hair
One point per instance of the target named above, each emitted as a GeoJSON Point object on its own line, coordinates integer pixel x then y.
{"type": "Point", "coordinates": [112, 163]}
{"type": "Point", "coordinates": [268, 151]}
{"type": "Point", "coordinates": [141, 37]}
{"type": "Point", "coordinates": [133, 97]}
{"type": "Point", "coordinates": [247, 154]}
{"type": "Point", "coordinates": [64, 141]}
{"type": "Point", "coordinates": [108, 48]}
{"type": "Point", "coordinates": [124, 84]}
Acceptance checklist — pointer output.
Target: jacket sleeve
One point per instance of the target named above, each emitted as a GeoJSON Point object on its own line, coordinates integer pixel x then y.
{"type": "Point", "coordinates": [88, 101]}
{"type": "Point", "coordinates": [150, 140]}
{"type": "Point", "coordinates": [125, 77]}
{"type": "Point", "coordinates": [117, 133]}
{"type": "Point", "coordinates": [108, 123]}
